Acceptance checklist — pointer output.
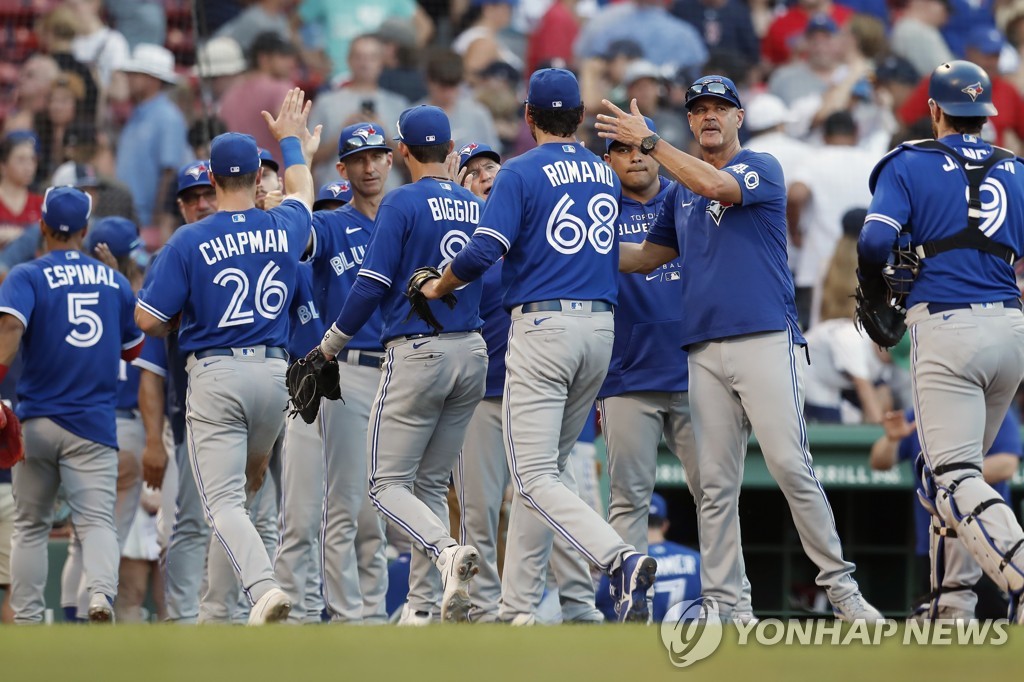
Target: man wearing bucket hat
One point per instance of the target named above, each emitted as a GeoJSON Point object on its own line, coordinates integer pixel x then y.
{"type": "Point", "coordinates": [67, 407]}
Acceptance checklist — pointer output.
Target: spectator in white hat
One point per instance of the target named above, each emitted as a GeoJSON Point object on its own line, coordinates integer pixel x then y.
{"type": "Point", "coordinates": [220, 60]}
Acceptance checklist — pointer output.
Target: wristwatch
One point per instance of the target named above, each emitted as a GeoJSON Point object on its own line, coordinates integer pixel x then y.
{"type": "Point", "coordinates": [647, 144]}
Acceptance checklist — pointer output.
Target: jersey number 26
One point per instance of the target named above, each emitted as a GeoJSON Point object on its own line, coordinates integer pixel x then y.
{"type": "Point", "coordinates": [271, 295]}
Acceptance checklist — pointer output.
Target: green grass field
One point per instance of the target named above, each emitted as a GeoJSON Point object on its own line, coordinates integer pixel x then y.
{"type": "Point", "coordinates": [454, 653]}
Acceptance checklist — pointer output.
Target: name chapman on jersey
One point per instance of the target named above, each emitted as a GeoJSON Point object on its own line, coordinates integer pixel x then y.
{"type": "Point", "coordinates": [256, 241]}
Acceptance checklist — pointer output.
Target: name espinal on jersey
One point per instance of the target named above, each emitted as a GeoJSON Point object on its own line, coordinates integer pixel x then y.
{"type": "Point", "coordinates": [71, 274]}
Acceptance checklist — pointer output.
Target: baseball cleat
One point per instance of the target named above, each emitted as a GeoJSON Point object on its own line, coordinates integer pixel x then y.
{"type": "Point", "coordinates": [101, 610]}
{"type": "Point", "coordinates": [524, 620]}
{"type": "Point", "coordinates": [854, 608]}
{"type": "Point", "coordinates": [272, 607]}
{"type": "Point", "coordinates": [458, 564]}
{"type": "Point", "coordinates": [922, 614]}
{"type": "Point", "coordinates": [630, 583]}
{"type": "Point", "coordinates": [744, 618]}
{"type": "Point", "coordinates": [412, 618]}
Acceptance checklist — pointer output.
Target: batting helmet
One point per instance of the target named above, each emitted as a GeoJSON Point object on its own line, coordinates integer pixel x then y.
{"type": "Point", "coordinates": [962, 88]}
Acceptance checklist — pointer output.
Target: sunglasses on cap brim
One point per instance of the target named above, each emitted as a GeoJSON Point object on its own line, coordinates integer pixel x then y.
{"type": "Point", "coordinates": [354, 143]}
{"type": "Point", "coordinates": [712, 88]}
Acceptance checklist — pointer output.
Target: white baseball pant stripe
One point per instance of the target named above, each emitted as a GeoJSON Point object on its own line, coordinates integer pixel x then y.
{"type": "Point", "coordinates": [88, 471]}
{"type": "Point", "coordinates": [737, 384]}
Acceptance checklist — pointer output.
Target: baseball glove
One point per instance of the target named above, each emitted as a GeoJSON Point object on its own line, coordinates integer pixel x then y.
{"type": "Point", "coordinates": [12, 449]}
{"type": "Point", "coordinates": [418, 303]}
{"type": "Point", "coordinates": [310, 379]}
{"type": "Point", "coordinates": [878, 314]}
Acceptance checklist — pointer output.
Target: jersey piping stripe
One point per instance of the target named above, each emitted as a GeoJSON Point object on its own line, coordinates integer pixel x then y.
{"type": "Point", "coordinates": [133, 343]}
{"type": "Point", "coordinates": [309, 254]}
{"type": "Point", "coordinates": [494, 234]}
{"type": "Point", "coordinates": [297, 199]}
{"type": "Point", "coordinates": [373, 471]}
{"type": "Point", "coordinates": [374, 275]}
{"type": "Point", "coordinates": [150, 367]}
{"type": "Point", "coordinates": [519, 481]}
{"type": "Point", "coordinates": [324, 582]}
{"type": "Point", "coordinates": [917, 398]}
{"type": "Point", "coordinates": [804, 448]}
{"type": "Point", "coordinates": [461, 492]}
{"type": "Point", "coordinates": [153, 311]}
{"type": "Point", "coordinates": [882, 218]}
{"type": "Point", "coordinates": [15, 313]}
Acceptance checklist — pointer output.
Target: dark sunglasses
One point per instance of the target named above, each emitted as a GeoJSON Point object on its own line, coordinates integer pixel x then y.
{"type": "Point", "coordinates": [712, 88]}
{"type": "Point", "coordinates": [353, 143]}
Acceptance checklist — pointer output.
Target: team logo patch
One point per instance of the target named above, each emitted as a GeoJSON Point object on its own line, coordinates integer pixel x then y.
{"type": "Point", "coordinates": [337, 188]}
{"type": "Point", "coordinates": [366, 131]}
{"type": "Point", "coordinates": [557, 104]}
{"type": "Point", "coordinates": [973, 91]}
{"type": "Point", "coordinates": [238, 217]}
{"type": "Point", "coordinates": [575, 305]}
{"type": "Point", "coordinates": [468, 149]}
{"type": "Point", "coordinates": [568, 149]}
{"type": "Point", "coordinates": [751, 180]}
{"type": "Point", "coordinates": [431, 138]}
{"type": "Point", "coordinates": [716, 209]}
{"type": "Point", "coordinates": [248, 352]}
{"type": "Point", "coordinates": [196, 170]}
{"type": "Point", "coordinates": [445, 186]}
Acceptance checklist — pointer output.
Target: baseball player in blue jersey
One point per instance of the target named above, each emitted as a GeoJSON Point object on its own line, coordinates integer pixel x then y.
{"type": "Point", "coordinates": [726, 217]}
{"type": "Point", "coordinates": [552, 215]}
{"type": "Point", "coordinates": [482, 474]}
{"type": "Point", "coordinates": [962, 202]}
{"type": "Point", "coordinates": [231, 276]}
{"type": "Point", "coordinates": [644, 397]}
{"type": "Point", "coordinates": [432, 381]}
{"type": "Point", "coordinates": [352, 543]}
{"type": "Point", "coordinates": [70, 306]}
{"type": "Point", "coordinates": [678, 567]}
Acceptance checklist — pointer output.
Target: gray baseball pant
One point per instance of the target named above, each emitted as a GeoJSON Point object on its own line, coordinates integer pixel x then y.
{"type": "Point", "coordinates": [352, 546]}
{"type": "Point", "coordinates": [418, 422]}
{"type": "Point", "coordinates": [756, 381]}
{"type": "Point", "coordinates": [235, 414]}
{"type": "Point", "coordinates": [88, 471]}
{"type": "Point", "coordinates": [554, 372]}
{"type": "Point", "coordinates": [296, 563]}
{"type": "Point", "coordinates": [185, 558]}
{"type": "Point", "coordinates": [633, 425]}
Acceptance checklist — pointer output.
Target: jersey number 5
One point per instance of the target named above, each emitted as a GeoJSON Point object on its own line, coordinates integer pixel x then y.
{"type": "Point", "coordinates": [271, 295]}
{"type": "Point", "coordinates": [568, 233]}
{"type": "Point", "coordinates": [79, 315]}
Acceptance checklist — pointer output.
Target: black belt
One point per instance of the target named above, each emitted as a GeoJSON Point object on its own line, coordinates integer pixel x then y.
{"type": "Point", "coordinates": [124, 414]}
{"type": "Point", "coordinates": [556, 305]}
{"type": "Point", "coordinates": [363, 360]}
{"type": "Point", "coordinates": [271, 352]}
{"type": "Point", "coordinates": [934, 308]}
{"type": "Point", "coordinates": [409, 337]}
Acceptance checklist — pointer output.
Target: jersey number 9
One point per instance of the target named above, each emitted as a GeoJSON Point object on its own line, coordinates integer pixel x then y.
{"type": "Point", "coordinates": [568, 233]}
{"type": "Point", "coordinates": [271, 295]}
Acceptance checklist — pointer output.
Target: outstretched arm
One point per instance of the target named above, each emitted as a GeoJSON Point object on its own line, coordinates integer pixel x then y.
{"type": "Point", "coordinates": [644, 257]}
{"type": "Point", "coordinates": [298, 145]}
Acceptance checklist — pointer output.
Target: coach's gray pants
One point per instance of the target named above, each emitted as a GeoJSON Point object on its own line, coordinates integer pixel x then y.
{"type": "Point", "coordinates": [297, 564]}
{"type": "Point", "coordinates": [481, 478]}
{"type": "Point", "coordinates": [88, 471]}
{"type": "Point", "coordinates": [426, 398]}
{"type": "Point", "coordinates": [554, 371]}
{"type": "Point", "coordinates": [352, 545]}
{"type": "Point", "coordinates": [756, 381]}
{"type": "Point", "coordinates": [235, 414]}
{"type": "Point", "coordinates": [633, 425]}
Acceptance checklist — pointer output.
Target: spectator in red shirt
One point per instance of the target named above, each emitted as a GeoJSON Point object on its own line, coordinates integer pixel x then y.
{"type": "Point", "coordinates": [983, 48]}
{"type": "Point", "coordinates": [554, 36]}
{"type": "Point", "coordinates": [779, 42]}
{"type": "Point", "coordinates": [19, 207]}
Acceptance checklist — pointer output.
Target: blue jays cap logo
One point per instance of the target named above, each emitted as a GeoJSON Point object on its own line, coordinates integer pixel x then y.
{"type": "Point", "coordinates": [468, 149]}
{"type": "Point", "coordinates": [337, 188]}
{"type": "Point", "coordinates": [196, 170]}
{"type": "Point", "coordinates": [366, 132]}
{"type": "Point", "coordinates": [973, 91]}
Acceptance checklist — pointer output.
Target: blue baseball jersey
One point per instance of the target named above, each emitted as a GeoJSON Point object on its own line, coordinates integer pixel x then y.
{"type": "Point", "coordinates": [552, 212]}
{"type": "Point", "coordinates": [495, 332]}
{"type": "Point", "coordinates": [340, 238]}
{"type": "Point", "coordinates": [678, 580]}
{"type": "Point", "coordinates": [307, 325]}
{"type": "Point", "coordinates": [648, 327]}
{"type": "Point", "coordinates": [423, 223]}
{"type": "Point", "coordinates": [232, 277]}
{"type": "Point", "coordinates": [80, 311]}
{"type": "Point", "coordinates": [735, 278]}
{"type": "Point", "coordinates": [925, 191]}
{"type": "Point", "coordinates": [1007, 441]}
{"type": "Point", "coordinates": [128, 385]}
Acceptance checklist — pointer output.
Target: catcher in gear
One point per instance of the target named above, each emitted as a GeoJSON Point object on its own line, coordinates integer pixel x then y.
{"type": "Point", "coordinates": [310, 379]}
{"type": "Point", "coordinates": [418, 302]}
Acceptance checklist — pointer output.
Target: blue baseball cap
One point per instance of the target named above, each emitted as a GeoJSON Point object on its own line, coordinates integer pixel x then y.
{"type": "Point", "coordinates": [424, 125]}
{"type": "Point", "coordinates": [985, 39]}
{"type": "Point", "coordinates": [194, 174]}
{"type": "Point", "coordinates": [119, 234]}
{"type": "Point", "coordinates": [475, 149]}
{"type": "Point", "coordinates": [359, 137]}
{"type": "Point", "coordinates": [650, 125]}
{"type": "Point", "coordinates": [339, 190]}
{"type": "Point", "coordinates": [267, 159]}
{"type": "Point", "coordinates": [554, 89]}
{"type": "Point", "coordinates": [713, 86]}
{"type": "Point", "coordinates": [66, 209]}
{"type": "Point", "coordinates": [234, 154]}
{"type": "Point", "coordinates": [659, 508]}
{"type": "Point", "coordinates": [821, 22]}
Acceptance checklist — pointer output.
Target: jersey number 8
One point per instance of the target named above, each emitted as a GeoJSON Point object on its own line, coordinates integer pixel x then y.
{"type": "Point", "coordinates": [568, 233]}
{"type": "Point", "coordinates": [271, 295]}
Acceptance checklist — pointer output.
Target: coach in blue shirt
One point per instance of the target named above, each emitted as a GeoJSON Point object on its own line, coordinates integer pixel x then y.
{"type": "Point", "coordinates": [727, 219]}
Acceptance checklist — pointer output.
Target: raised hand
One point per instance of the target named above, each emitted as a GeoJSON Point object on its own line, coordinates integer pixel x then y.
{"type": "Point", "coordinates": [293, 121]}
{"type": "Point", "coordinates": [626, 128]}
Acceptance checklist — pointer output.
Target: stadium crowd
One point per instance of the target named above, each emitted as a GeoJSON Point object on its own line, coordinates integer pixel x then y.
{"type": "Point", "coordinates": [116, 97]}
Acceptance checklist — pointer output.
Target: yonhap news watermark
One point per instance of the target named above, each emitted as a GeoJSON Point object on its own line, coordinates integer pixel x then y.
{"type": "Point", "coordinates": [692, 631]}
